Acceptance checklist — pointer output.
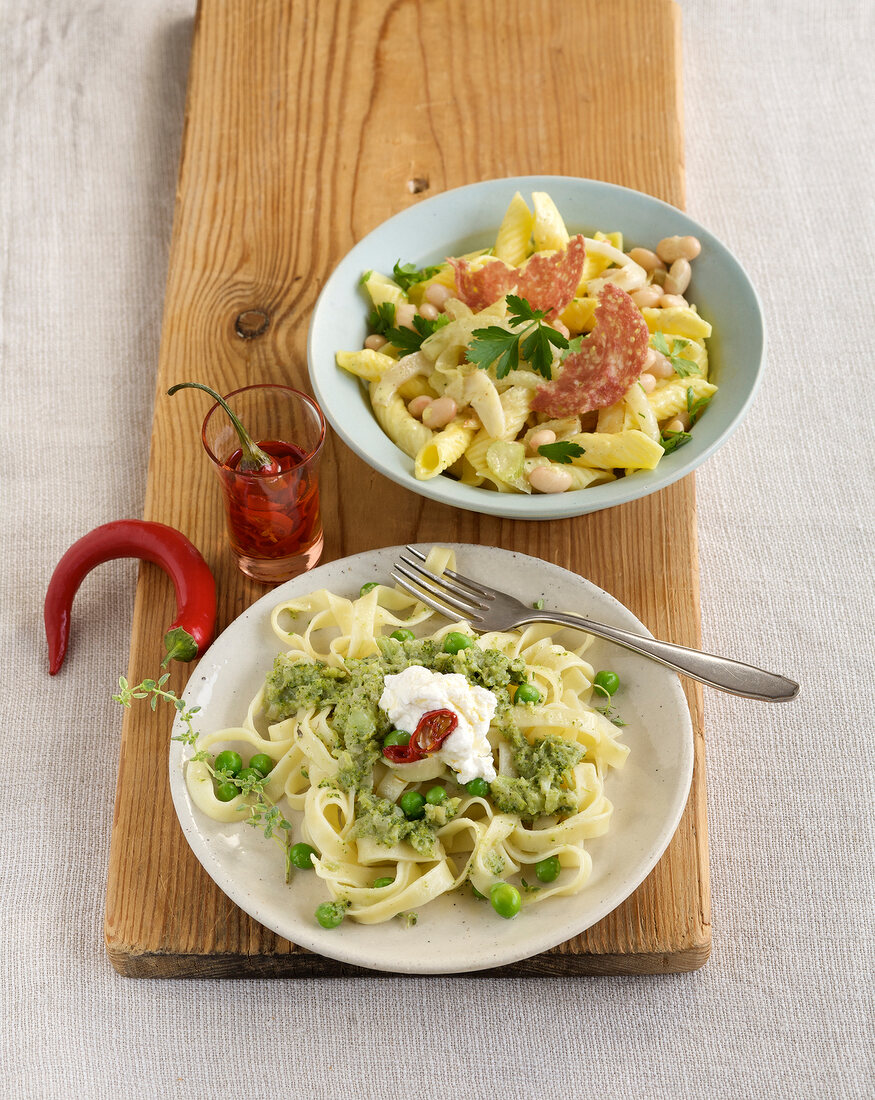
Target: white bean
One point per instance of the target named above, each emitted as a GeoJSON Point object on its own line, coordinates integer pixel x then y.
{"type": "Point", "coordinates": [541, 439]}
{"type": "Point", "coordinates": [419, 404]}
{"type": "Point", "coordinates": [440, 412]}
{"type": "Point", "coordinates": [647, 382]}
{"type": "Point", "coordinates": [672, 301]}
{"type": "Point", "coordinates": [549, 479]}
{"type": "Point", "coordinates": [404, 314]}
{"type": "Point", "coordinates": [647, 296]}
{"type": "Point", "coordinates": [660, 367]}
{"type": "Point", "coordinates": [437, 295]}
{"type": "Point", "coordinates": [670, 249]}
{"type": "Point", "coordinates": [646, 259]}
{"type": "Point", "coordinates": [674, 426]}
{"type": "Point", "coordinates": [678, 278]}
{"type": "Point", "coordinates": [375, 341]}
{"type": "Point", "coordinates": [429, 312]}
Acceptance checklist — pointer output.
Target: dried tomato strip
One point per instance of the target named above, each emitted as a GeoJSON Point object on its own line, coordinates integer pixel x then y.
{"type": "Point", "coordinates": [431, 731]}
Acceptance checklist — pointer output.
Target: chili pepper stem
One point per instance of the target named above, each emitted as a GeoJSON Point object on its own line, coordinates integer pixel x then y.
{"type": "Point", "coordinates": [254, 458]}
{"type": "Point", "coordinates": [180, 646]}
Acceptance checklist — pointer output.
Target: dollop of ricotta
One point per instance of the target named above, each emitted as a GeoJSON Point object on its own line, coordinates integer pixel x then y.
{"type": "Point", "coordinates": [414, 692]}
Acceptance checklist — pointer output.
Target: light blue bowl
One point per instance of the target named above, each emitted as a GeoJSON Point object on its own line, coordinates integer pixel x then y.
{"type": "Point", "coordinates": [467, 218]}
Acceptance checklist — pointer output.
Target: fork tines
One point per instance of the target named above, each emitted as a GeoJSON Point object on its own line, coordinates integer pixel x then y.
{"type": "Point", "coordinates": [436, 592]}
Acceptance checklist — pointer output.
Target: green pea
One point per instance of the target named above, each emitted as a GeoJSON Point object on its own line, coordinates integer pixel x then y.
{"type": "Point", "coordinates": [455, 641]}
{"type": "Point", "coordinates": [478, 787]}
{"type": "Point", "coordinates": [379, 883]}
{"type": "Point", "coordinates": [527, 693]}
{"type": "Point", "coordinates": [477, 894]}
{"type": "Point", "coordinates": [606, 680]}
{"type": "Point", "coordinates": [229, 762]}
{"type": "Point", "coordinates": [402, 635]}
{"type": "Point", "coordinates": [435, 796]}
{"type": "Point", "coordinates": [548, 869]}
{"type": "Point", "coordinates": [301, 856]}
{"type": "Point", "coordinates": [396, 737]}
{"type": "Point", "coordinates": [505, 900]}
{"type": "Point", "coordinates": [412, 803]}
{"type": "Point", "coordinates": [250, 773]}
{"type": "Point", "coordinates": [261, 762]}
{"type": "Point", "coordinates": [330, 914]}
{"type": "Point", "coordinates": [369, 587]}
{"type": "Point", "coordinates": [226, 791]}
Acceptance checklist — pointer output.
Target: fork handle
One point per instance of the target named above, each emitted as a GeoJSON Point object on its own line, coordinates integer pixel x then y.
{"type": "Point", "coordinates": [717, 672]}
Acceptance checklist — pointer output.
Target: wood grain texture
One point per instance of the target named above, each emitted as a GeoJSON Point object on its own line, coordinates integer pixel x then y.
{"type": "Point", "coordinates": [305, 123]}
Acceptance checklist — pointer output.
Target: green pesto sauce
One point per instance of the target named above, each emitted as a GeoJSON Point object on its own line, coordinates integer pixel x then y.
{"type": "Point", "coordinates": [542, 766]}
{"type": "Point", "coordinates": [358, 727]}
{"type": "Point", "coordinates": [354, 693]}
{"type": "Point", "coordinates": [384, 821]}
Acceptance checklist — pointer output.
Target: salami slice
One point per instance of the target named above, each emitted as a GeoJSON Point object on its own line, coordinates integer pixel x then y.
{"type": "Point", "coordinates": [546, 282]}
{"type": "Point", "coordinates": [611, 358]}
{"type": "Point", "coordinates": [550, 282]}
{"type": "Point", "coordinates": [480, 288]}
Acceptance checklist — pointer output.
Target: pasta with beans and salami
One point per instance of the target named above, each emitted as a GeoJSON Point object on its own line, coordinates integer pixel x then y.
{"type": "Point", "coordinates": [545, 363]}
{"type": "Point", "coordinates": [420, 758]}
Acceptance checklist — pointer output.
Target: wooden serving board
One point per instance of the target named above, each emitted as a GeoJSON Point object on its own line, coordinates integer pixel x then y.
{"type": "Point", "coordinates": [307, 124]}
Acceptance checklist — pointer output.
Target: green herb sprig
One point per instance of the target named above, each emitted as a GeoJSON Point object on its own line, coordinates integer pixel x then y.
{"type": "Point", "coordinates": [683, 368]}
{"type": "Point", "coordinates": [695, 408]}
{"type": "Point", "coordinates": [407, 340]}
{"type": "Point", "coordinates": [533, 343]}
{"type": "Point", "coordinates": [670, 441]}
{"type": "Point", "coordinates": [608, 710]}
{"type": "Point", "coordinates": [263, 813]}
{"type": "Point", "coordinates": [562, 451]}
{"type": "Point", "coordinates": [407, 275]}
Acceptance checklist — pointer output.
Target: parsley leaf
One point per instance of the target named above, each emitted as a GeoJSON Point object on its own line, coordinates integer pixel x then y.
{"type": "Point", "coordinates": [382, 318]}
{"type": "Point", "coordinates": [696, 408]}
{"type": "Point", "coordinates": [683, 367]}
{"type": "Point", "coordinates": [563, 451]}
{"type": "Point", "coordinates": [408, 340]}
{"type": "Point", "coordinates": [405, 275]}
{"type": "Point", "coordinates": [504, 348]}
{"type": "Point", "coordinates": [495, 345]}
{"type": "Point", "coordinates": [670, 441]}
{"type": "Point", "coordinates": [574, 346]}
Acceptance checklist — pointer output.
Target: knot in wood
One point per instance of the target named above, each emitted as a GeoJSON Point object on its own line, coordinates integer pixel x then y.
{"type": "Point", "coordinates": [251, 323]}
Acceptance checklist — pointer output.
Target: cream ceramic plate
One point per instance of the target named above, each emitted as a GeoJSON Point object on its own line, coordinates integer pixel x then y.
{"type": "Point", "coordinates": [455, 932]}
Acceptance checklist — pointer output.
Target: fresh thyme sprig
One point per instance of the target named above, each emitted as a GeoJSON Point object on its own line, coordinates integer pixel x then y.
{"type": "Point", "coordinates": [533, 343]}
{"type": "Point", "coordinates": [155, 689]}
{"type": "Point", "coordinates": [607, 710]}
{"type": "Point", "coordinates": [264, 814]}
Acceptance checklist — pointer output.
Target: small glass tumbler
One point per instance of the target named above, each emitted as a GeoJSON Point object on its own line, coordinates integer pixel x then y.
{"type": "Point", "coordinates": [273, 519]}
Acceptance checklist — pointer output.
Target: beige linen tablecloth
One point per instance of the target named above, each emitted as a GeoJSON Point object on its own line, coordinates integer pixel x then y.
{"type": "Point", "coordinates": [780, 165]}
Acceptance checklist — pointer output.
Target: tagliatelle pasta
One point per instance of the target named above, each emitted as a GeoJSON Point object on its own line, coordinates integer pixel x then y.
{"type": "Point", "coordinates": [591, 333]}
{"type": "Point", "coordinates": [394, 824]}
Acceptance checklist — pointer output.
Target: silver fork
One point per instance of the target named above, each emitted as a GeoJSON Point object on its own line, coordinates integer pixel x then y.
{"type": "Point", "coordinates": [487, 608]}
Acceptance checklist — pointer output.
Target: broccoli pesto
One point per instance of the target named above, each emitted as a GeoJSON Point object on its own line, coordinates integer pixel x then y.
{"type": "Point", "coordinates": [353, 692]}
{"type": "Point", "coordinates": [358, 726]}
{"type": "Point", "coordinates": [543, 767]}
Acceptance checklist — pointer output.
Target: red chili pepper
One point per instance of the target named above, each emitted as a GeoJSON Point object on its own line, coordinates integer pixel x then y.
{"type": "Point", "coordinates": [192, 630]}
{"type": "Point", "coordinates": [433, 729]}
